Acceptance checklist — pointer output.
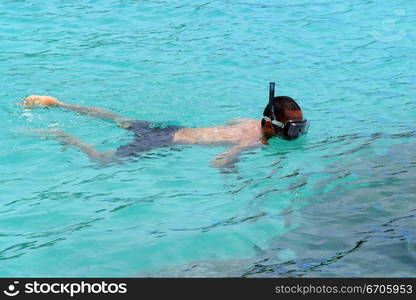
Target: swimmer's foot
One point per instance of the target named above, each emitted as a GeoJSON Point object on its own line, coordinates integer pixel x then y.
{"type": "Point", "coordinates": [36, 100]}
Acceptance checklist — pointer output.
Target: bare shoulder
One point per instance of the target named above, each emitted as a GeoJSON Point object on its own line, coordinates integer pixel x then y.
{"type": "Point", "coordinates": [250, 131]}
{"type": "Point", "coordinates": [240, 121]}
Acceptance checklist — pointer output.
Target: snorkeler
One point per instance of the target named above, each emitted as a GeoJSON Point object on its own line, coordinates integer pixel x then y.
{"type": "Point", "coordinates": [282, 117]}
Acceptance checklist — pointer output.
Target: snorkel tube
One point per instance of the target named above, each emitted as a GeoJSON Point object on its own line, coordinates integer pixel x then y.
{"type": "Point", "coordinates": [271, 105]}
{"type": "Point", "coordinates": [271, 98]}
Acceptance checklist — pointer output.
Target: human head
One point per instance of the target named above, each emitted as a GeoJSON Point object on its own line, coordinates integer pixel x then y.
{"type": "Point", "coordinates": [285, 109]}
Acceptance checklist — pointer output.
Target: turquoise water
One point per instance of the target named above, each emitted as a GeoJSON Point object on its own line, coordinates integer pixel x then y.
{"type": "Point", "coordinates": [338, 202]}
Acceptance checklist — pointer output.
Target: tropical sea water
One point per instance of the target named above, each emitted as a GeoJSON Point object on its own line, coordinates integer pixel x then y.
{"type": "Point", "coordinates": [337, 202]}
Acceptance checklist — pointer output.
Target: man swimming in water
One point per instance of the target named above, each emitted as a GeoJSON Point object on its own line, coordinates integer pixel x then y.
{"type": "Point", "coordinates": [281, 117]}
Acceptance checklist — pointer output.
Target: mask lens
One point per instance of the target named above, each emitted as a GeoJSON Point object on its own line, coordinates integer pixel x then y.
{"type": "Point", "coordinates": [294, 129]}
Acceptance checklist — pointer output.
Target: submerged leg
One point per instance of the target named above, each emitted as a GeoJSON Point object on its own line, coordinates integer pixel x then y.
{"type": "Point", "coordinates": [94, 155]}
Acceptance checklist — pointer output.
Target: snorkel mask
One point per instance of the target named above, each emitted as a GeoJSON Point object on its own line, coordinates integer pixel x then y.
{"type": "Point", "coordinates": [291, 129]}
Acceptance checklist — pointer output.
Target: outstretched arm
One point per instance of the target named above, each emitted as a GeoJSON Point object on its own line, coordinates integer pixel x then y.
{"type": "Point", "coordinates": [89, 111]}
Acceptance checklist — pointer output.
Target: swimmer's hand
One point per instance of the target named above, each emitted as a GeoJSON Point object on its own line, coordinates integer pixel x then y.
{"type": "Point", "coordinates": [229, 158]}
{"type": "Point", "coordinates": [223, 161]}
{"type": "Point", "coordinates": [36, 100]}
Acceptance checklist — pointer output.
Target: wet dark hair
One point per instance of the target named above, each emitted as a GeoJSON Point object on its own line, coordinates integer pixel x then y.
{"type": "Point", "coordinates": [281, 104]}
